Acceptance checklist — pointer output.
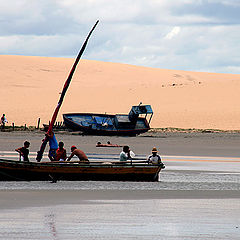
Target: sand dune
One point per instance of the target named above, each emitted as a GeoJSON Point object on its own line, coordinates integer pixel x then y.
{"type": "Point", "coordinates": [30, 88]}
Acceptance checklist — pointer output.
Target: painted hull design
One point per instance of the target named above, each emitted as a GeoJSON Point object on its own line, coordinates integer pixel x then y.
{"type": "Point", "coordinates": [76, 171]}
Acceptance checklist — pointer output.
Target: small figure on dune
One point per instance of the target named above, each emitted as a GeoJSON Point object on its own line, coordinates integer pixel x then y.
{"type": "Point", "coordinates": [79, 153]}
{"type": "Point", "coordinates": [3, 121]}
{"type": "Point", "coordinates": [24, 152]}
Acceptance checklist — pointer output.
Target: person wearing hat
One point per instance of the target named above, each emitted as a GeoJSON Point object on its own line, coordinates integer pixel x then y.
{"type": "Point", "coordinates": [79, 153]}
{"type": "Point", "coordinates": [155, 158]}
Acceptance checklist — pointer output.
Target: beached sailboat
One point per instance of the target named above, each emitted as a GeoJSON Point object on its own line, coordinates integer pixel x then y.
{"type": "Point", "coordinates": [131, 124]}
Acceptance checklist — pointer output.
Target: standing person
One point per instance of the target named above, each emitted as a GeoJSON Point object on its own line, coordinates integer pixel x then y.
{"type": "Point", "coordinates": [3, 121]}
{"type": "Point", "coordinates": [53, 146]}
{"type": "Point", "coordinates": [24, 151]}
{"type": "Point", "coordinates": [61, 154]}
{"type": "Point", "coordinates": [125, 154]}
{"type": "Point", "coordinates": [155, 158]}
{"type": "Point", "coordinates": [79, 153]}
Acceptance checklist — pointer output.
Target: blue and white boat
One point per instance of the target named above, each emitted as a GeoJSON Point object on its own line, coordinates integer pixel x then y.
{"type": "Point", "coordinates": [132, 124]}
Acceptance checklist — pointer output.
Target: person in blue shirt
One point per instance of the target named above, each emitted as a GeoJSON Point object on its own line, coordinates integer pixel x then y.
{"type": "Point", "coordinates": [53, 146]}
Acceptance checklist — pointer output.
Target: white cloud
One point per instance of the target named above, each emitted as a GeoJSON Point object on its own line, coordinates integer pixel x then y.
{"type": "Point", "coordinates": [204, 34]}
{"type": "Point", "coordinates": [174, 32]}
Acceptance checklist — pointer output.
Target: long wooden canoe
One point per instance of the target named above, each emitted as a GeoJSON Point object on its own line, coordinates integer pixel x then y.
{"type": "Point", "coordinates": [77, 171]}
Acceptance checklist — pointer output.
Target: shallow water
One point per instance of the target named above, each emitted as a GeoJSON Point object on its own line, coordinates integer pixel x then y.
{"type": "Point", "coordinates": [171, 218]}
{"type": "Point", "coordinates": [129, 219]}
{"type": "Point", "coordinates": [181, 173]}
{"type": "Point", "coordinates": [169, 180]}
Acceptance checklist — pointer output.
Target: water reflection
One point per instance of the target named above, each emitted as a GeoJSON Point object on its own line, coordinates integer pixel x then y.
{"type": "Point", "coordinates": [50, 221]}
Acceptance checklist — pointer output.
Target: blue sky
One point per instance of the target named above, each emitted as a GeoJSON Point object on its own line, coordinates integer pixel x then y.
{"type": "Point", "coordinates": [193, 35]}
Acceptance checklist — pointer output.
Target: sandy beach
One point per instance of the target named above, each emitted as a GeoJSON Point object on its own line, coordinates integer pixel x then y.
{"type": "Point", "coordinates": [181, 99]}
{"type": "Point", "coordinates": [197, 196]}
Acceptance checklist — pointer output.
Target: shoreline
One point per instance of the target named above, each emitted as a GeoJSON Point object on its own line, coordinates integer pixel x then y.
{"type": "Point", "coordinates": [151, 131]}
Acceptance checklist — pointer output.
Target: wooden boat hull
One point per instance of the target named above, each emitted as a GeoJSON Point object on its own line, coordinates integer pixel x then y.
{"type": "Point", "coordinates": [24, 171]}
{"type": "Point", "coordinates": [75, 122]}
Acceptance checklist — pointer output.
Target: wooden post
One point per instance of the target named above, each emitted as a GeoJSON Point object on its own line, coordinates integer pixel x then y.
{"type": "Point", "coordinates": [13, 126]}
{"type": "Point", "coordinates": [38, 123]}
{"type": "Point", "coordinates": [25, 127]}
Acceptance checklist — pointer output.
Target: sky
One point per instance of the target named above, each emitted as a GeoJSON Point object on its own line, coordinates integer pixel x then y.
{"type": "Point", "coordinates": [192, 35]}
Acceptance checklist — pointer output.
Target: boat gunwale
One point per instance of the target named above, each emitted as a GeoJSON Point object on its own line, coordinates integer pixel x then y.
{"type": "Point", "coordinates": [123, 164]}
{"type": "Point", "coordinates": [34, 171]}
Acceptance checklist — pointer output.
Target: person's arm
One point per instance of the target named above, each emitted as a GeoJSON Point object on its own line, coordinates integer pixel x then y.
{"type": "Point", "coordinates": [69, 158]}
{"type": "Point", "coordinates": [19, 151]}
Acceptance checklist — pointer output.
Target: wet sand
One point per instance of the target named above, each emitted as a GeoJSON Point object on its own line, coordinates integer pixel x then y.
{"type": "Point", "coordinates": [125, 219]}
{"type": "Point", "coordinates": [168, 143]}
{"type": "Point", "coordinates": [33, 198]}
{"type": "Point", "coordinates": [193, 200]}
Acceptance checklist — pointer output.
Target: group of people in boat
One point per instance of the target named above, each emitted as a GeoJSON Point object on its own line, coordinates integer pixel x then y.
{"type": "Point", "coordinates": [57, 152]}
{"type": "Point", "coordinates": [154, 158]}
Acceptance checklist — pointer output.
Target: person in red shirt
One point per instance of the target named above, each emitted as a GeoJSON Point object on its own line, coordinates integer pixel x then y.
{"type": "Point", "coordinates": [61, 154]}
{"type": "Point", "coordinates": [79, 153]}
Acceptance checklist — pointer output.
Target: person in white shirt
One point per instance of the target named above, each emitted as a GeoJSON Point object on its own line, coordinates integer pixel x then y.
{"type": "Point", "coordinates": [125, 154]}
{"type": "Point", "coordinates": [155, 158]}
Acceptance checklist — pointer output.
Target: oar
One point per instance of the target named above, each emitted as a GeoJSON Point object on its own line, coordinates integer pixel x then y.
{"type": "Point", "coordinates": [65, 87]}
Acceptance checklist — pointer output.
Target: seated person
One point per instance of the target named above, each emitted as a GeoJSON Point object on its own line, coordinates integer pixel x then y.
{"type": "Point", "coordinates": [61, 154]}
{"type": "Point", "coordinates": [79, 153]}
{"type": "Point", "coordinates": [24, 151]}
{"type": "Point", "coordinates": [125, 154]}
{"type": "Point", "coordinates": [155, 158]}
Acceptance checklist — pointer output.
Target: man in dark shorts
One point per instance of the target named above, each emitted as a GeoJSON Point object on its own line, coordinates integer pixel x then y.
{"type": "Point", "coordinates": [24, 151]}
